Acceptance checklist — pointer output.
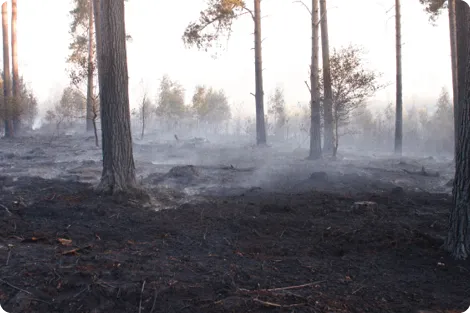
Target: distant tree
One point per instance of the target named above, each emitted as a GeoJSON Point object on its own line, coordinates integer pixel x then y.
{"type": "Point", "coordinates": [219, 17]}
{"type": "Point", "coordinates": [328, 132]}
{"type": "Point", "coordinates": [170, 100]}
{"type": "Point", "coordinates": [211, 106]}
{"type": "Point", "coordinates": [399, 79]}
{"type": "Point", "coordinates": [315, 151]}
{"type": "Point", "coordinates": [352, 85]}
{"type": "Point", "coordinates": [277, 109]}
{"type": "Point", "coordinates": [82, 59]}
{"type": "Point", "coordinates": [118, 160]}
{"type": "Point", "coordinates": [7, 92]}
{"type": "Point", "coordinates": [27, 105]}
{"type": "Point", "coordinates": [16, 87]}
{"type": "Point", "coordinates": [68, 109]}
{"type": "Point", "coordinates": [434, 8]}
{"type": "Point", "coordinates": [142, 113]}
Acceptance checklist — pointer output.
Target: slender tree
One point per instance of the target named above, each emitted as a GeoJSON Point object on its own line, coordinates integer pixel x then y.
{"type": "Point", "coordinates": [220, 14]}
{"type": "Point", "coordinates": [118, 161]}
{"type": "Point", "coordinates": [259, 94]}
{"type": "Point", "coordinates": [453, 56]}
{"type": "Point", "coordinates": [434, 8]}
{"type": "Point", "coordinates": [14, 61]}
{"type": "Point", "coordinates": [458, 238]}
{"type": "Point", "coordinates": [399, 86]}
{"type": "Point", "coordinates": [315, 122]}
{"type": "Point", "coordinates": [90, 103]}
{"type": "Point", "coordinates": [9, 130]}
{"type": "Point", "coordinates": [328, 132]}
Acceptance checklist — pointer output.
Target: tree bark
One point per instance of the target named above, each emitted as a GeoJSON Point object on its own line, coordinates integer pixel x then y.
{"type": "Point", "coordinates": [91, 69]}
{"type": "Point", "coordinates": [9, 130]}
{"type": "Point", "coordinates": [16, 109]}
{"type": "Point", "coordinates": [328, 133]}
{"type": "Point", "coordinates": [453, 54]}
{"type": "Point", "coordinates": [96, 15]}
{"type": "Point", "coordinates": [259, 94]}
{"type": "Point", "coordinates": [399, 85]}
{"type": "Point", "coordinates": [315, 123]}
{"type": "Point", "coordinates": [118, 161]}
{"type": "Point", "coordinates": [458, 237]}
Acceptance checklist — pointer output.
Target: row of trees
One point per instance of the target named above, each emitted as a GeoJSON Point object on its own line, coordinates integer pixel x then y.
{"type": "Point", "coordinates": [18, 106]}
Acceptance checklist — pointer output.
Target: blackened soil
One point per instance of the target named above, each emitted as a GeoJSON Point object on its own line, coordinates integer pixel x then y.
{"type": "Point", "coordinates": [64, 249]}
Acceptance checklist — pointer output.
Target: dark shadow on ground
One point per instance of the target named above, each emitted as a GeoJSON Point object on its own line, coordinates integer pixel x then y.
{"type": "Point", "coordinates": [222, 253]}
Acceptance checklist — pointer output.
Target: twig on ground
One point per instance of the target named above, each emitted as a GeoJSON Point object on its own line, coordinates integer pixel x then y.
{"type": "Point", "coordinates": [271, 304]}
{"type": "Point", "coordinates": [81, 291]}
{"type": "Point", "coordinates": [8, 257]}
{"type": "Point", "coordinates": [154, 301]}
{"type": "Point", "coordinates": [141, 293]}
{"type": "Point", "coordinates": [6, 209]}
{"type": "Point", "coordinates": [283, 288]}
{"type": "Point", "coordinates": [358, 289]}
{"type": "Point", "coordinates": [14, 287]}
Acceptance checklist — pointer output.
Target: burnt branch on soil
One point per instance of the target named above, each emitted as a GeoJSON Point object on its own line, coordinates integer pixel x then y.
{"type": "Point", "coordinates": [141, 294]}
{"type": "Point", "coordinates": [283, 288]}
{"type": "Point", "coordinates": [422, 173]}
{"type": "Point", "coordinates": [14, 287]}
{"type": "Point", "coordinates": [6, 209]}
{"type": "Point", "coordinates": [272, 304]}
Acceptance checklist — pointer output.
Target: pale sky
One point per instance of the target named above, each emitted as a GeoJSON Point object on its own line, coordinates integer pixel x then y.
{"type": "Point", "coordinates": [156, 49]}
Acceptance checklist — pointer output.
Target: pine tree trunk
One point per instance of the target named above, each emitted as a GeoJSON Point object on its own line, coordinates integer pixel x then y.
{"type": "Point", "coordinates": [458, 237]}
{"type": "Point", "coordinates": [328, 136]}
{"type": "Point", "coordinates": [96, 16]}
{"type": "Point", "coordinates": [453, 54]}
{"type": "Point", "coordinates": [91, 70]}
{"type": "Point", "coordinates": [315, 123]}
{"type": "Point", "coordinates": [9, 131]}
{"type": "Point", "coordinates": [118, 161]}
{"type": "Point", "coordinates": [259, 95]}
{"type": "Point", "coordinates": [399, 91]}
{"type": "Point", "coordinates": [16, 109]}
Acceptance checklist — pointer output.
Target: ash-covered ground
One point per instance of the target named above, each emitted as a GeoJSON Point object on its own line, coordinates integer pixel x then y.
{"type": "Point", "coordinates": [232, 228]}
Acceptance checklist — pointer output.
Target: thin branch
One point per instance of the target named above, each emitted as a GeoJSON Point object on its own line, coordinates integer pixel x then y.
{"type": "Point", "coordinates": [141, 293]}
{"type": "Point", "coordinates": [14, 287]}
{"type": "Point", "coordinates": [306, 6]}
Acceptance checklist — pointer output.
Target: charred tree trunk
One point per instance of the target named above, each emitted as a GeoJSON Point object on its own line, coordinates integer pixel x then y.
{"type": "Point", "coordinates": [16, 109]}
{"type": "Point", "coordinates": [328, 133]}
{"type": "Point", "coordinates": [458, 237]}
{"type": "Point", "coordinates": [118, 161]}
{"type": "Point", "coordinates": [315, 123]}
{"type": "Point", "coordinates": [399, 86]}
{"type": "Point", "coordinates": [259, 95]}
{"type": "Point", "coordinates": [9, 130]}
{"type": "Point", "coordinates": [453, 55]}
{"type": "Point", "coordinates": [91, 69]}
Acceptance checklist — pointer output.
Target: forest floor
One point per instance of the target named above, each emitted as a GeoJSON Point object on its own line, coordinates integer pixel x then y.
{"type": "Point", "coordinates": [249, 231]}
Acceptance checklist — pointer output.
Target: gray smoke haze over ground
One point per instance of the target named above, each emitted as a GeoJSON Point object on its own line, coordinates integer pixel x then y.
{"type": "Point", "coordinates": [180, 168]}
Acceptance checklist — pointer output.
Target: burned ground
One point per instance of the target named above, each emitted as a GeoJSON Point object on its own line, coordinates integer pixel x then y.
{"type": "Point", "coordinates": [232, 237]}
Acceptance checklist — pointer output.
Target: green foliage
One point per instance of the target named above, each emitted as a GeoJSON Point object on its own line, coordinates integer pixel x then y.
{"type": "Point", "coordinates": [434, 7]}
{"type": "Point", "coordinates": [28, 104]}
{"type": "Point", "coordinates": [277, 108]}
{"type": "Point", "coordinates": [210, 105]}
{"type": "Point", "coordinates": [71, 106]}
{"type": "Point", "coordinates": [214, 22]}
{"type": "Point", "coordinates": [351, 82]}
{"type": "Point", "coordinates": [170, 101]}
{"type": "Point", "coordinates": [79, 31]}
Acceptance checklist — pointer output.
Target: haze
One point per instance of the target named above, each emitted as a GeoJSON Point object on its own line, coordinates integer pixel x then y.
{"type": "Point", "coordinates": [157, 49]}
